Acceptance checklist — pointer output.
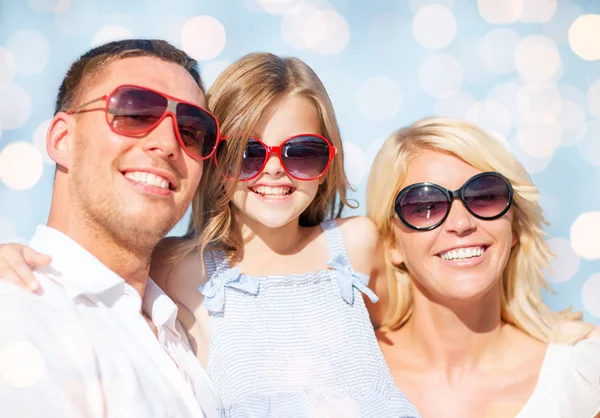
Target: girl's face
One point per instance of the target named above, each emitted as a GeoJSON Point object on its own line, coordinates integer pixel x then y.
{"type": "Point", "coordinates": [274, 198]}
{"type": "Point", "coordinates": [464, 257]}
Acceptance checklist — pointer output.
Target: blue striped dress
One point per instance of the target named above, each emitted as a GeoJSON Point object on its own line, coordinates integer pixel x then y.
{"type": "Point", "coordinates": [297, 346]}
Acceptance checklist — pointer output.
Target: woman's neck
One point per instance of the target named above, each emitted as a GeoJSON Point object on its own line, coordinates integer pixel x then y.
{"type": "Point", "coordinates": [457, 336]}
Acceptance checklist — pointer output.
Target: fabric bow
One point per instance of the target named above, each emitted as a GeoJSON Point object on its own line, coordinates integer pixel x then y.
{"type": "Point", "coordinates": [214, 289]}
{"type": "Point", "coordinates": [348, 278]}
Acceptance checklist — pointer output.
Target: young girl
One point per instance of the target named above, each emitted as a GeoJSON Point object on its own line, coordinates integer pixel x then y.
{"type": "Point", "coordinates": [269, 293]}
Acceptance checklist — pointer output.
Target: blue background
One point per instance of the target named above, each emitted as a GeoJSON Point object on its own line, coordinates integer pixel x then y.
{"type": "Point", "coordinates": [506, 65]}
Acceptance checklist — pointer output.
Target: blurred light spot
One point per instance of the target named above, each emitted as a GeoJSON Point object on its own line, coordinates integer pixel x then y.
{"type": "Point", "coordinates": [56, 6]}
{"type": "Point", "coordinates": [211, 70]}
{"type": "Point", "coordinates": [15, 107]}
{"type": "Point", "coordinates": [416, 5]}
{"type": "Point", "coordinates": [497, 50]}
{"type": "Point", "coordinates": [507, 94]}
{"type": "Point", "coordinates": [441, 75]}
{"type": "Point", "coordinates": [7, 67]}
{"type": "Point", "coordinates": [593, 98]}
{"type": "Point", "coordinates": [7, 227]}
{"type": "Point", "coordinates": [538, 11]}
{"type": "Point", "coordinates": [566, 262]}
{"type": "Point", "coordinates": [354, 163]}
{"type": "Point", "coordinates": [336, 32]}
{"type": "Point", "coordinates": [584, 37]}
{"type": "Point", "coordinates": [109, 34]}
{"type": "Point", "coordinates": [572, 120]}
{"type": "Point", "coordinates": [39, 140]}
{"type": "Point", "coordinates": [505, 11]}
{"type": "Point", "coordinates": [77, 19]}
{"type": "Point", "coordinates": [557, 28]}
{"type": "Point", "coordinates": [373, 149]}
{"type": "Point", "coordinates": [589, 146]}
{"type": "Point", "coordinates": [584, 235]}
{"type": "Point", "coordinates": [532, 164]}
{"type": "Point", "coordinates": [550, 203]}
{"type": "Point", "coordinates": [379, 99]}
{"type": "Point", "coordinates": [456, 106]}
{"type": "Point", "coordinates": [31, 51]}
{"type": "Point", "coordinates": [20, 165]}
{"type": "Point", "coordinates": [203, 37]}
{"type": "Point", "coordinates": [590, 295]}
{"type": "Point", "coordinates": [21, 364]}
{"type": "Point", "coordinates": [537, 58]}
{"type": "Point", "coordinates": [500, 138]}
{"type": "Point", "coordinates": [491, 116]}
{"type": "Point", "coordinates": [293, 24]}
{"type": "Point", "coordinates": [276, 6]}
{"type": "Point", "coordinates": [540, 138]}
{"type": "Point", "coordinates": [434, 26]}
{"type": "Point", "coordinates": [538, 101]}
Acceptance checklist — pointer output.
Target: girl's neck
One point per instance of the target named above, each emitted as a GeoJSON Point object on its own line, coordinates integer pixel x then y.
{"type": "Point", "coordinates": [284, 240]}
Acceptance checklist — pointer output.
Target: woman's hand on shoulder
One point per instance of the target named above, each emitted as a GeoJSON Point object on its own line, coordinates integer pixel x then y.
{"type": "Point", "coordinates": [17, 263]}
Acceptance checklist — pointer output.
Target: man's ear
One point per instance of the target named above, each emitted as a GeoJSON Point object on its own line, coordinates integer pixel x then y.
{"type": "Point", "coordinates": [59, 140]}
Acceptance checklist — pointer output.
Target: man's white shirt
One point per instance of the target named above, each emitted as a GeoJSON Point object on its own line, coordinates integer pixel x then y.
{"type": "Point", "coordinates": [81, 348]}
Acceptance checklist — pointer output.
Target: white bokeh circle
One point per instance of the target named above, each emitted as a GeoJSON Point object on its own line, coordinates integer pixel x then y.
{"type": "Point", "coordinates": [15, 107]}
{"type": "Point", "coordinates": [504, 11]}
{"type": "Point", "coordinates": [593, 98]}
{"type": "Point", "coordinates": [109, 34]}
{"type": "Point", "coordinates": [572, 119]}
{"type": "Point", "coordinates": [584, 235]}
{"type": "Point", "coordinates": [56, 6]}
{"type": "Point", "coordinates": [434, 26]}
{"type": "Point", "coordinates": [335, 32]}
{"type": "Point", "coordinates": [203, 37]}
{"type": "Point", "coordinates": [441, 75]}
{"type": "Point", "coordinates": [39, 140]}
{"type": "Point", "coordinates": [540, 101]}
{"type": "Point", "coordinates": [540, 139]}
{"type": "Point", "coordinates": [532, 164]}
{"type": "Point", "coordinates": [589, 146]}
{"type": "Point", "coordinates": [565, 264]}
{"type": "Point", "coordinates": [537, 58]}
{"type": "Point", "coordinates": [20, 165]}
{"type": "Point", "coordinates": [491, 116]}
{"type": "Point", "coordinates": [275, 6]}
{"type": "Point", "coordinates": [30, 50]}
{"type": "Point", "coordinates": [538, 11]}
{"type": "Point", "coordinates": [379, 99]}
{"type": "Point", "coordinates": [584, 37]}
{"type": "Point", "coordinates": [455, 106]}
{"type": "Point", "coordinates": [507, 94]}
{"type": "Point", "coordinates": [22, 365]}
{"type": "Point", "coordinates": [497, 50]}
{"type": "Point", "coordinates": [8, 67]}
{"type": "Point", "coordinates": [354, 163]}
{"type": "Point", "coordinates": [590, 295]}
{"type": "Point", "coordinates": [415, 5]}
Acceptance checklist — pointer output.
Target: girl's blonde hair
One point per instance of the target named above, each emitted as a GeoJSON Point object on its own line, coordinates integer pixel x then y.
{"type": "Point", "coordinates": [239, 97]}
{"type": "Point", "coordinates": [523, 279]}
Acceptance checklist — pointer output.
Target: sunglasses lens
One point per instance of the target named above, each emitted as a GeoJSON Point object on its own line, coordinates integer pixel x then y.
{"type": "Point", "coordinates": [423, 206]}
{"type": "Point", "coordinates": [487, 196]}
{"type": "Point", "coordinates": [133, 110]}
{"type": "Point", "coordinates": [306, 157]}
{"type": "Point", "coordinates": [198, 130]}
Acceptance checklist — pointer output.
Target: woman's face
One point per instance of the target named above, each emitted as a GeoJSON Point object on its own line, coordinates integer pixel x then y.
{"type": "Point", "coordinates": [485, 244]}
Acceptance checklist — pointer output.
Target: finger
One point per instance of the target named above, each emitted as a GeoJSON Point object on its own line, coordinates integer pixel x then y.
{"type": "Point", "coordinates": [25, 274]}
{"type": "Point", "coordinates": [35, 259]}
{"type": "Point", "coordinates": [10, 276]}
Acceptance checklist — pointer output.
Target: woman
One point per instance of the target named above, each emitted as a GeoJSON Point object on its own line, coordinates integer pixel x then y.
{"type": "Point", "coordinates": [463, 316]}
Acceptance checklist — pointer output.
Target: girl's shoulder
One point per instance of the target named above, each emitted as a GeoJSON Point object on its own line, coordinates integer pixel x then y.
{"type": "Point", "coordinates": [363, 243]}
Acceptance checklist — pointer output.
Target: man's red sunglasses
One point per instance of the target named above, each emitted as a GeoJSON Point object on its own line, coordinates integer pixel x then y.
{"type": "Point", "coordinates": [134, 111]}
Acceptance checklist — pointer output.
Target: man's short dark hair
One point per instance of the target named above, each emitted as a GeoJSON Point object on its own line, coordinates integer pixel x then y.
{"type": "Point", "coordinates": [92, 63]}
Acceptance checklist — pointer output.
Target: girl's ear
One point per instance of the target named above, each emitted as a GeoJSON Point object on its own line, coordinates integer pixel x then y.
{"type": "Point", "coordinates": [59, 139]}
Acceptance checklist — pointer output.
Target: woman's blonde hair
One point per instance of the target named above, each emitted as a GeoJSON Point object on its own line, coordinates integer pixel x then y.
{"type": "Point", "coordinates": [239, 97]}
{"type": "Point", "coordinates": [522, 280]}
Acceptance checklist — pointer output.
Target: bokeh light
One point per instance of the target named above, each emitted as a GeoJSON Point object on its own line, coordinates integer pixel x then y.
{"type": "Point", "coordinates": [20, 165]}
{"type": "Point", "coordinates": [22, 365]}
{"type": "Point", "coordinates": [203, 37]}
{"type": "Point", "coordinates": [434, 26]}
{"type": "Point", "coordinates": [584, 235]}
{"type": "Point", "coordinates": [584, 37]}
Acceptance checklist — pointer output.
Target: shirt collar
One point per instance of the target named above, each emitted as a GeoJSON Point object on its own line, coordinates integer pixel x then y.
{"type": "Point", "coordinates": [160, 308]}
{"type": "Point", "coordinates": [73, 266]}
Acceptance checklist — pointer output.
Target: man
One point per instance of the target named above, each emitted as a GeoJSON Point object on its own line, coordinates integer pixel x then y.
{"type": "Point", "coordinates": [99, 339]}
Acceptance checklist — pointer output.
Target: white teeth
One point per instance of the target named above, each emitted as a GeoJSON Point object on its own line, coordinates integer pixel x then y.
{"type": "Point", "coordinates": [462, 253]}
{"type": "Point", "coordinates": [148, 178]}
{"type": "Point", "coordinates": [276, 191]}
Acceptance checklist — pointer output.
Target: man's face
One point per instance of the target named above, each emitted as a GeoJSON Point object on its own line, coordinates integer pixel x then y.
{"type": "Point", "coordinates": [116, 182]}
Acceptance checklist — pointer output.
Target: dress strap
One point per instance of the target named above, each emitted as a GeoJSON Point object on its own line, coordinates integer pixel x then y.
{"type": "Point", "coordinates": [335, 240]}
{"type": "Point", "coordinates": [214, 261]}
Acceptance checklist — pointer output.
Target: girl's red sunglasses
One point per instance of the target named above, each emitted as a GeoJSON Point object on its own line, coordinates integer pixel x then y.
{"type": "Point", "coordinates": [303, 157]}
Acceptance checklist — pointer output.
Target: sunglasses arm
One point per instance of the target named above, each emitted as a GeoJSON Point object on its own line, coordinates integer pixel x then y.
{"type": "Point", "coordinates": [78, 109]}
